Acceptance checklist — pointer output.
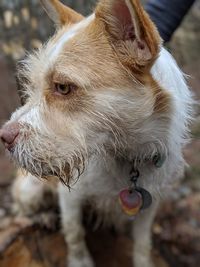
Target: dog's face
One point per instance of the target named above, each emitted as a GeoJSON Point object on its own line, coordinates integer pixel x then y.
{"type": "Point", "coordinates": [88, 89]}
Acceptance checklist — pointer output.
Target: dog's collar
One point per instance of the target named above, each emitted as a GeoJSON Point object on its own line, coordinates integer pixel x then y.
{"type": "Point", "coordinates": [135, 198]}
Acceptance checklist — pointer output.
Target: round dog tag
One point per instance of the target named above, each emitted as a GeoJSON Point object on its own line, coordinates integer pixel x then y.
{"type": "Point", "coordinates": [131, 201]}
{"type": "Point", "coordinates": [146, 197]}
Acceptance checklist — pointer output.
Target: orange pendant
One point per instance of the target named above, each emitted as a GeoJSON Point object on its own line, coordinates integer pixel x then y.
{"type": "Point", "coordinates": [131, 201]}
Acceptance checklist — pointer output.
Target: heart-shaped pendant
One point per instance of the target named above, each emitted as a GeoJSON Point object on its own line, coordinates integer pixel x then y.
{"type": "Point", "coordinates": [131, 201]}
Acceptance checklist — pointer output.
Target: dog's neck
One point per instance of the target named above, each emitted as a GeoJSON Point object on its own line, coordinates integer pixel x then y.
{"type": "Point", "coordinates": [134, 198]}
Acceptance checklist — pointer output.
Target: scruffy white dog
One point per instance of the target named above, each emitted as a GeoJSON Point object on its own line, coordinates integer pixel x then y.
{"type": "Point", "coordinates": [105, 103]}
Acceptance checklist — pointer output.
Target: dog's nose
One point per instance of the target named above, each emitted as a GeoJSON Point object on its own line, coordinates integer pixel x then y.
{"type": "Point", "coordinates": [9, 133]}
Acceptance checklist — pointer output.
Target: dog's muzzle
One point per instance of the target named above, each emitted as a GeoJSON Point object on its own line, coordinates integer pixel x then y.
{"type": "Point", "coordinates": [40, 158]}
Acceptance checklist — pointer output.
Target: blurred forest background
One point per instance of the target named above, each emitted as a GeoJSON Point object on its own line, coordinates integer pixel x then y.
{"type": "Point", "coordinates": [23, 27]}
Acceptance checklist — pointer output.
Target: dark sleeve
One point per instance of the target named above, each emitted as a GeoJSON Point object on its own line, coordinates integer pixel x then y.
{"type": "Point", "coordinates": [168, 14]}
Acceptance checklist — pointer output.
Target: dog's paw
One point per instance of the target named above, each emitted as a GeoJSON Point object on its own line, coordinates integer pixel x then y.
{"type": "Point", "coordinates": [26, 208]}
{"type": "Point", "coordinates": [30, 195]}
{"type": "Point", "coordinates": [27, 193]}
{"type": "Point", "coordinates": [141, 260]}
{"type": "Point", "coordinates": [85, 261]}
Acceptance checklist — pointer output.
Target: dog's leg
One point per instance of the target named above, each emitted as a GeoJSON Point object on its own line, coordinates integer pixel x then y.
{"type": "Point", "coordinates": [74, 233]}
{"type": "Point", "coordinates": [28, 194]}
{"type": "Point", "coordinates": [142, 237]}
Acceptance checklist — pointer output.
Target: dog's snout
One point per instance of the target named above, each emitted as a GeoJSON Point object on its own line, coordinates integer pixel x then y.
{"type": "Point", "coordinates": [9, 133]}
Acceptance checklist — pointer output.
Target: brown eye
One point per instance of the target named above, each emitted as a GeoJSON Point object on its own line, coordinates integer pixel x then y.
{"type": "Point", "coordinates": [64, 89]}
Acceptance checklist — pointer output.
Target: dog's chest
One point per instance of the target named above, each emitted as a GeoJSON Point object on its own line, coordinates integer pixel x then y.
{"type": "Point", "coordinates": [103, 180]}
{"type": "Point", "coordinates": [101, 185]}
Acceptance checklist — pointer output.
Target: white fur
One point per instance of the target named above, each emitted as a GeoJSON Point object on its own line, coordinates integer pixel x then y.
{"type": "Point", "coordinates": [28, 194]}
{"type": "Point", "coordinates": [170, 77]}
{"type": "Point", "coordinates": [31, 117]}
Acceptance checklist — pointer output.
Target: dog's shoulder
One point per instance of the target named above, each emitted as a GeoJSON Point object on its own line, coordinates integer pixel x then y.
{"type": "Point", "coordinates": [171, 78]}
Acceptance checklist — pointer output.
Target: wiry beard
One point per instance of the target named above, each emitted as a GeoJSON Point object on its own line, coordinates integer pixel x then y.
{"type": "Point", "coordinates": [43, 158]}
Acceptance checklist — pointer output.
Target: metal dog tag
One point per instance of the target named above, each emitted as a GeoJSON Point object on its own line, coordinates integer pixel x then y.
{"type": "Point", "coordinates": [146, 198]}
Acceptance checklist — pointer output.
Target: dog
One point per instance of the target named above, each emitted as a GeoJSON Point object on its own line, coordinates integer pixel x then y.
{"type": "Point", "coordinates": [107, 113]}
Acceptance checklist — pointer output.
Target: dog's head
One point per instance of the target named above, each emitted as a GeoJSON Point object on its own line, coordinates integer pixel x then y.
{"type": "Point", "coordinates": [88, 90]}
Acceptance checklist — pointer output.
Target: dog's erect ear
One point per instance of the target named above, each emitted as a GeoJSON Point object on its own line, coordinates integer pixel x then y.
{"type": "Point", "coordinates": [133, 35]}
{"type": "Point", "coordinates": [59, 13]}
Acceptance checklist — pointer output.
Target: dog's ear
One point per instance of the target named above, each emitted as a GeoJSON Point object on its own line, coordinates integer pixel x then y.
{"type": "Point", "coordinates": [130, 30]}
{"type": "Point", "coordinates": [59, 13]}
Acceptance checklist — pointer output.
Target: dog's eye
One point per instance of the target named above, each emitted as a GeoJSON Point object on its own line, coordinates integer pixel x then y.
{"type": "Point", "coordinates": [64, 89]}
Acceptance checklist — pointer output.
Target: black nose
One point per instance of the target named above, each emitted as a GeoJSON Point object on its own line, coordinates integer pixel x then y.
{"type": "Point", "coordinates": [9, 133]}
